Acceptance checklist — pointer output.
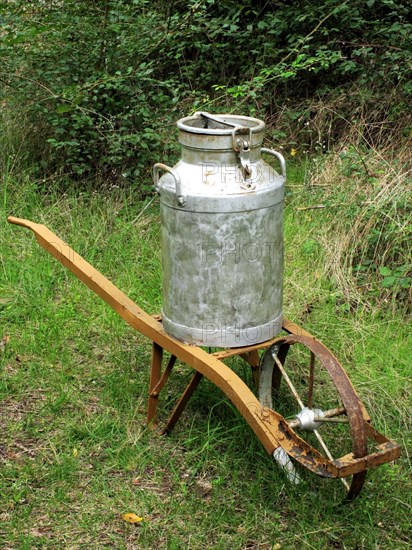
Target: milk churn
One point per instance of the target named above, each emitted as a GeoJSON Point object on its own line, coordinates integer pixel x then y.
{"type": "Point", "coordinates": [222, 234]}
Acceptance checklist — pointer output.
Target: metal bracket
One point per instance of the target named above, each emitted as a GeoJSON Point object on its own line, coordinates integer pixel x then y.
{"type": "Point", "coordinates": [243, 153]}
{"type": "Point", "coordinates": [241, 140]}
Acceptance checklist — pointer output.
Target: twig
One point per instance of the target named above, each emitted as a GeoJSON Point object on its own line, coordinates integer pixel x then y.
{"type": "Point", "coordinates": [143, 209]}
{"type": "Point", "coordinates": [314, 206]}
{"type": "Point", "coordinates": [301, 208]}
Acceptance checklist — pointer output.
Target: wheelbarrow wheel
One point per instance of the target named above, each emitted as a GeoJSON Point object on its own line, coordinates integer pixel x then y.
{"type": "Point", "coordinates": [315, 396]}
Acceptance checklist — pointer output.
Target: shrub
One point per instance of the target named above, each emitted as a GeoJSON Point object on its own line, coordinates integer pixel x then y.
{"type": "Point", "coordinates": [101, 84]}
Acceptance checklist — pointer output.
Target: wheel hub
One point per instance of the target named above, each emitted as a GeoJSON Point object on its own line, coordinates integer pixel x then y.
{"type": "Point", "coordinates": [308, 419]}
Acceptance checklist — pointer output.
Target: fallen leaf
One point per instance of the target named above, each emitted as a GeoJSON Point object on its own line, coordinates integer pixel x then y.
{"type": "Point", "coordinates": [75, 453]}
{"type": "Point", "coordinates": [136, 481]}
{"type": "Point", "coordinates": [132, 518]}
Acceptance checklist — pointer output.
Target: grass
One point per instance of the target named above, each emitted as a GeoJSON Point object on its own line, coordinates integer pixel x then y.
{"type": "Point", "coordinates": [74, 449]}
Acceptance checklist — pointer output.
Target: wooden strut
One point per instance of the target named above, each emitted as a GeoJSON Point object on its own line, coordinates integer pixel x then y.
{"type": "Point", "coordinates": [269, 426]}
{"type": "Point", "coordinates": [181, 404]}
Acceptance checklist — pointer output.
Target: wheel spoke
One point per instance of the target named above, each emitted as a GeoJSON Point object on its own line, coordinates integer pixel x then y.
{"type": "Point", "coordinates": [329, 455]}
{"type": "Point", "coordinates": [334, 412]}
{"type": "Point", "coordinates": [333, 420]}
{"type": "Point", "coordinates": [288, 381]}
{"type": "Point", "coordinates": [311, 379]}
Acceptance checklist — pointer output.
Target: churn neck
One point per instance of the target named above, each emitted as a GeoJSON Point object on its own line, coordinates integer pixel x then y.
{"type": "Point", "coordinates": [205, 136]}
{"type": "Point", "coordinates": [207, 124]}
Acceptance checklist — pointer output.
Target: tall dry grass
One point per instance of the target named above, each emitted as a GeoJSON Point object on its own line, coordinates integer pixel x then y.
{"type": "Point", "coordinates": [367, 222]}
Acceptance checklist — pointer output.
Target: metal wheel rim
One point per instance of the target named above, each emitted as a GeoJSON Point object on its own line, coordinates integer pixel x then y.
{"type": "Point", "coordinates": [344, 389]}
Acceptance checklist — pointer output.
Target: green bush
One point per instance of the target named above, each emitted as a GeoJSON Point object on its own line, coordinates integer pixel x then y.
{"type": "Point", "coordinates": [100, 84]}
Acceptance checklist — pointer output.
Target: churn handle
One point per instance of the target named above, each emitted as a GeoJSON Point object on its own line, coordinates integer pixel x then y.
{"type": "Point", "coordinates": [279, 156]}
{"type": "Point", "coordinates": [159, 167]}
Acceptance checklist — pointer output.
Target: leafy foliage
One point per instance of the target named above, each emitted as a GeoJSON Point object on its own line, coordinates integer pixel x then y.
{"type": "Point", "coordinates": [102, 83]}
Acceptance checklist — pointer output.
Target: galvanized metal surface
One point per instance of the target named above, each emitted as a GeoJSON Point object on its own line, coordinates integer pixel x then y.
{"type": "Point", "coordinates": [269, 426]}
{"type": "Point", "coordinates": [222, 234]}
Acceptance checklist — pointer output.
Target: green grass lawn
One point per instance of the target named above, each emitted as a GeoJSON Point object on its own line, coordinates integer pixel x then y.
{"type": "Point", "coordinates": [75, 452]}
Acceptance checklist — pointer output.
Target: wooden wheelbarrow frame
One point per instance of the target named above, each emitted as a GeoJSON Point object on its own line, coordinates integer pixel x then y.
{"type": "Point", "coordinates": [274, 432]}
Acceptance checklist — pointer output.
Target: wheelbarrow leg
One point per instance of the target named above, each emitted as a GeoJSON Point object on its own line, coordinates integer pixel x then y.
{"type": "Point", "coordinates": [253, 359]}
{"type": "Point", "coordinates": [181, 404]}
{"type": "Point", "coordinates": [155, 373]}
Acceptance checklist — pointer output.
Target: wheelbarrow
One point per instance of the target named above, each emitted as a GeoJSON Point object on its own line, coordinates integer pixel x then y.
{"type": "Point", "coordinates": [293, 372]}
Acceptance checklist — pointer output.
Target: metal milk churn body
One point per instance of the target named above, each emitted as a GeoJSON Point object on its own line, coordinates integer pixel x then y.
{"type": "Point", "coordinates": [222, 234]}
